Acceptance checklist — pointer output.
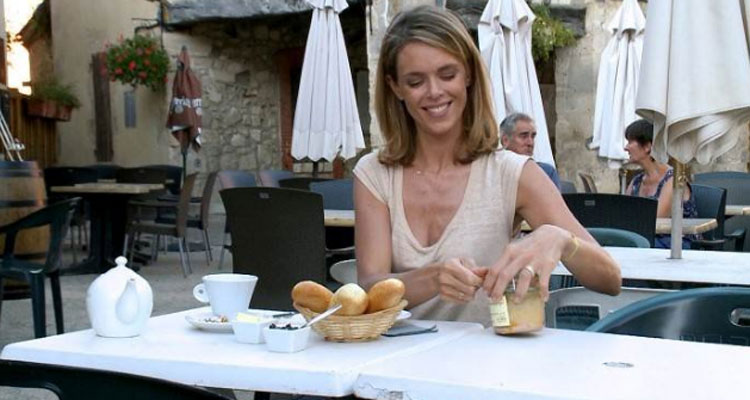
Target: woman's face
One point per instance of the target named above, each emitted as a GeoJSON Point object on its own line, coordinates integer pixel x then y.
{"type": "Point", "coordinates": [432, 84]}
{"type": "Point", "coordinates": [637, 152]}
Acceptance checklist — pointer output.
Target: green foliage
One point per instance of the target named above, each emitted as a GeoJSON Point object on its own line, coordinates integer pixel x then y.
{"type": "Point", "coordinates": [548, 33]}
{"type": "Point", "coordinates": [52, 90]}
{"type": "Point", "coordinates": [139, 60]}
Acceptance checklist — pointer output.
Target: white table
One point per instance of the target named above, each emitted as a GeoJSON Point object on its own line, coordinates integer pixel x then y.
{"type": "Point", "coordinates": [344, 218]}
{"type": "Point", "coordinates": [558, 364]}
{"type": "Point", "coordinates": [171, 349]}
{"type": "Point", "coordinates": [721, 267]}
{"type": "Point", "coordinates": [733, 209]}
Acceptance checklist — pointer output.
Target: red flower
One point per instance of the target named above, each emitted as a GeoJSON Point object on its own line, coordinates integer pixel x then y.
{"type": "Point", "coordinates": [118, 71]}
{"type": "Point", "coordinates": [131, 65]}
{"type": "Point", "coordinates": [142, 74]}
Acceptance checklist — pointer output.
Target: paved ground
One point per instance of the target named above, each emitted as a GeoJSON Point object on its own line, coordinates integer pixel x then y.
{"type": "Point", "coordinates": [172, 292]}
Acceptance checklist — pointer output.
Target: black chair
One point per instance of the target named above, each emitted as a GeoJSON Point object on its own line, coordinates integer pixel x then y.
{"type": "Point", "coordinates": [711, 203]}
{"type": "Point", "coordinates": [300, 183]}
{"type": "Point", "coordinates": [601, 210]}
{"type": "Point", "coordinates": [712, 315]}
{"type": "Point", "coordinates": [338, 194]}
{"type": "Point", "coordinates": [105, 171]}
{"type": "Point", "coordinates": [277, 235]}
{"type": "Point", "coordinates": [618, 237]}
{"type": "Point", "coordinates": [567, 187]}
{"type": "Point", "coordinates": [76, 383]}
{"type": "Point", "coordinates": [231, 179]}
{"type": "Point", "coordinates": [57, 216]}
{"type": "Point", "coordinates": [70, 176]}
{"type": "Point", "coordinates": [271, 177]}
{"type": "Point", "coordinates": [737, 185]}
{"type": "Point", "coordinates": [177, 229]}
{"type": "Point", "coordinates": [173, 177]}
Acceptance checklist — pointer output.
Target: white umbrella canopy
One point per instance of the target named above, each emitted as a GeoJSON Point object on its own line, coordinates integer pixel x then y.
{"type": "Point", "coordinates": [694, 82]}
{"type": "Point", "coordinates": [326, 121]}
{"type": "Point", "coordinates": [504, 32]}
{"type": "Point", "coordinates": [617, 83]}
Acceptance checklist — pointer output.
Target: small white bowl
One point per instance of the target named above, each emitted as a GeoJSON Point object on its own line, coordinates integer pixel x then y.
{"type": "Point", "coordinates": [250, 332]}
{"type": "Point", "coordinates": [286, 341]}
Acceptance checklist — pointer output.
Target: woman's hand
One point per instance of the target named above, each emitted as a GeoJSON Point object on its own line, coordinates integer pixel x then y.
{"type": "Point", "coordinates": [458, 279]}
{"type": "Point", "coordinates": [534, 255]}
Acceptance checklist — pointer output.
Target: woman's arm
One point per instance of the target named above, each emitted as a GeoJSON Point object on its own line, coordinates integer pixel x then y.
{"type": "Point", "coordinates": [557, 236]}
{"type": "Point", "coordinates": [453, 280]}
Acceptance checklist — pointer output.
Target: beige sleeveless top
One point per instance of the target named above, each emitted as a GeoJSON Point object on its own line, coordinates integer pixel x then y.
{"type": "Point", "coordinates": [480, 229]}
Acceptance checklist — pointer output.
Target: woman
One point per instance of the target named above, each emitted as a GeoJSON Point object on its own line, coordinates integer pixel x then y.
{"type": "Point", "coordinates": [435, 206]}
{"type": "Point", "coordinates": [655, 182]}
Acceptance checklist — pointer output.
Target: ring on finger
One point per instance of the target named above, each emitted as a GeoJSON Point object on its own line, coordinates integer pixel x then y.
{"type": "Point", "coordinates": [530, 268]}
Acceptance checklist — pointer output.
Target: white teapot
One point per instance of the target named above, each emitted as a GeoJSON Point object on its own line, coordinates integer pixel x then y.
{"type": "Point", "coordinates": [119, 302]}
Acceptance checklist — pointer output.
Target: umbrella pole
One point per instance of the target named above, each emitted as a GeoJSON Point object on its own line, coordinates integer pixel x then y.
{"type": "Point", "coordinates": [315, 169]}
{"type": "Point", "coordinates": [679, 181]}
{"type": "Point", "coordinates": [184, 165]}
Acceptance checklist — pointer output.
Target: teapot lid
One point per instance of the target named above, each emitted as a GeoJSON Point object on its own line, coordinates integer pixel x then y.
{"type": "Point", "coordinates": [121, 261]}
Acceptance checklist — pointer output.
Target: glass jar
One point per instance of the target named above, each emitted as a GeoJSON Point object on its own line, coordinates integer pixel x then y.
{"type": "Point", "coordinates": [509, 318]}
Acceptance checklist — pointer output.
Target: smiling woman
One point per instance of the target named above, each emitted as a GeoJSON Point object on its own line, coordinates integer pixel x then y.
{"type": "Point", "coordinates": [435, 207]}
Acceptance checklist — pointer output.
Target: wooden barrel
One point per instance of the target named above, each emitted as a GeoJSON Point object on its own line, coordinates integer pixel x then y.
{"type": "Point", "coordinates": [21, 193]}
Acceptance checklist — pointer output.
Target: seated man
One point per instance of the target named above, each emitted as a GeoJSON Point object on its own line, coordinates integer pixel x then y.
{"type": "Point", "coordinates": [517, 135]}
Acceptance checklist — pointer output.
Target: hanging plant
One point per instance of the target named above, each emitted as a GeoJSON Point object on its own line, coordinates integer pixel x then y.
{"type": "Point", "coordinates": [139, 60]}
{"type": "Point", "coordinates": [547, 34]}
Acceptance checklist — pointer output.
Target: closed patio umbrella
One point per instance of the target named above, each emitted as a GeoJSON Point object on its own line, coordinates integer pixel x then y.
{"type": "Point", "coordinates": [326, 121]}
{"type": "Point", "coordinates": [505, 42]}
{"type": "Point", "coordinates": [185, 109]}
{"type": "Point", "coordinates": [694, 83]}
{"type": "Point", "coordinates": [617, 83]}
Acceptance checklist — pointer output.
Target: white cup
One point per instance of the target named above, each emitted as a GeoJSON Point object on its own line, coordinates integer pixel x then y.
{"type": "Point", "coordinates": [228, 294]}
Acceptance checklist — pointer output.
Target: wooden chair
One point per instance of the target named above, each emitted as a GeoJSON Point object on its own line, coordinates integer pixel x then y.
{"type": "Point", "coordinates": [589, 186]}
{"type": "Point", "coordinates": [57, 216]}
{"type": "Point", "coordinates": [177, 229]}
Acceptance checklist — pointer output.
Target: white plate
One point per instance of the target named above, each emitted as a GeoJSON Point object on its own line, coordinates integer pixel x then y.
{"type": "Point", "coordinates": [207, 321]}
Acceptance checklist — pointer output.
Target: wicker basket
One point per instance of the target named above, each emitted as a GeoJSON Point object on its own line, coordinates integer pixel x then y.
{"type": "Point", "coordinates": [356, 328]}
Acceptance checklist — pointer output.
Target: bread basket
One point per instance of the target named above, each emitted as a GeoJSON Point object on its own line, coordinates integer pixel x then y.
{"type": "Point", "coordinates": [357, 328]}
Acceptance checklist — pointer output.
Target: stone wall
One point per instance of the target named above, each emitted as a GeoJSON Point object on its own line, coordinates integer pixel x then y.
{"type": "Point", "coordinates": [575, 76]}
{"type": "Point", "coordinates": [237, 63]}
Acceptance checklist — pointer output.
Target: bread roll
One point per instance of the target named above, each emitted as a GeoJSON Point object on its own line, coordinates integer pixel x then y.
{"type": "Point", "coordinates": [312, 295]}
{"type": "Point", "coordinates": [385, 294]}
{"type": "Point", "coordinates": [353, 300]}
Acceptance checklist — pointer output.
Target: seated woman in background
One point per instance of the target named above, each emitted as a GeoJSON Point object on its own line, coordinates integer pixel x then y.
{"type": "Point", "coordinates": [655, 181]}
{"type": "Point", "coordinates": [435, 206]}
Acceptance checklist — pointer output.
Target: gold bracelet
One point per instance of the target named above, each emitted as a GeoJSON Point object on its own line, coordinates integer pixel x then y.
{"type": "Point", "coordinates": [576, 244]}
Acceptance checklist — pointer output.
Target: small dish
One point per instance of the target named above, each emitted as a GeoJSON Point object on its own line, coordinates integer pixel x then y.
{"type": "Point", "coordinates": [251, 331]}
{"type": "Point", "coordinates": [286, 341]}
{"type": "Point", "coordinates": [207, 321]}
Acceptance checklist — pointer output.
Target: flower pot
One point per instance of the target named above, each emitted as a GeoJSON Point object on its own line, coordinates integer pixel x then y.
{"type": "Point", "coordinates": [48, 109]}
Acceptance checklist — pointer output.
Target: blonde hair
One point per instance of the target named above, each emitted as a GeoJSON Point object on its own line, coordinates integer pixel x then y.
{"type": "Point", "coordinates": [444, 30]}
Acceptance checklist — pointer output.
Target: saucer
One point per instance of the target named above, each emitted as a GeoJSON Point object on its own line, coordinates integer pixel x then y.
{"type": "Point", "coordinates": [207, 321]}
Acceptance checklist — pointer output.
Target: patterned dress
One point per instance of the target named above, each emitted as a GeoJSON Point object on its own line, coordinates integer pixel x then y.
{"type": "Point", "coordinates": [689, 209]}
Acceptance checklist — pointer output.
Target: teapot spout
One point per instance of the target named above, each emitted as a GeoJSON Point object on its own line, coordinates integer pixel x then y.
{"type": "Point", "coordinates": [127, 305]}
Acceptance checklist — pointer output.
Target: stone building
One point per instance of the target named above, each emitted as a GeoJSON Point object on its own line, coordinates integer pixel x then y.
{"type": "Point", "coordinates": [248, 55]}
